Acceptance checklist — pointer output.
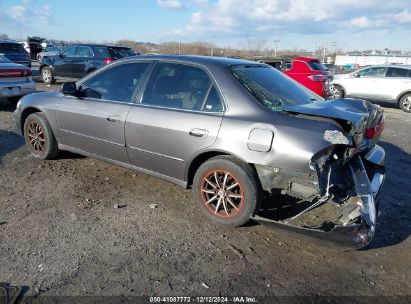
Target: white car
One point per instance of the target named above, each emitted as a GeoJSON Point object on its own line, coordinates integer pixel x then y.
{"type": "Point", "coordinates": [384, 83]}
{"type": "Point", "coordinates": [15, 80]}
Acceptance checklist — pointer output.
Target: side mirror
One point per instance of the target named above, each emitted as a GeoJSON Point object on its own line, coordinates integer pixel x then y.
{"type": "Point", "coordinates": [357, 75]}
{"type": "Point", "coordinates": [68, 88]}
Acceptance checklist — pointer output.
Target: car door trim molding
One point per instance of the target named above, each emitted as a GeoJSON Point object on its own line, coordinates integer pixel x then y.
{"type": "Point", "coordinates": [92, 137]}
{"type": "Point", "coordinates": [155, 153]}
{"type": "Point", "coordinates": [173, 180]}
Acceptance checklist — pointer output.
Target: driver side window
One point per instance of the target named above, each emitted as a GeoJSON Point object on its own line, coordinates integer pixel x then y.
{"type": "Point", "coordinates": [69, 52]}
{"type": "Point", "coordinates": [117, 83]}
{"type": "Point", "coordinates": [372, 72]}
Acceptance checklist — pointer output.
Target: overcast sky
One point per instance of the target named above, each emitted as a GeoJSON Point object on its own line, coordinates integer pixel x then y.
{"type": "Point", "coordinates": [346, 24]}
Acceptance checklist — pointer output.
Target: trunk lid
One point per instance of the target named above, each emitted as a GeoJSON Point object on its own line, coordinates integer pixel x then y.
{"type": "Point", "coordinates": [361, 115]}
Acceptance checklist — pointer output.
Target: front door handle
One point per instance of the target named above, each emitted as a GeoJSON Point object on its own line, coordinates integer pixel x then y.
{"type": "Point", "coordinates": [113, 118]}
{"type": "Point", "coordinates": [199, 132]}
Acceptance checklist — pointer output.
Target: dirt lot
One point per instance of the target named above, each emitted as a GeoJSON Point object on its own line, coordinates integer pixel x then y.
{"type": "Point", "coordinates": [61, 235]}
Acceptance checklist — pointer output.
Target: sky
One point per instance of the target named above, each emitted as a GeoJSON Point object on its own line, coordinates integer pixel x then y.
{"type": "Point", "coordinates": [301, 24]}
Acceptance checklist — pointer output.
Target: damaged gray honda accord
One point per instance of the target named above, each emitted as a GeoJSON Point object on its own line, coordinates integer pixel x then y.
{"type": "Point", "coordinates": [233, 130]}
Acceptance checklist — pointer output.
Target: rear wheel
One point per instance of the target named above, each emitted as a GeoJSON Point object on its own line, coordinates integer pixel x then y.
{"type": "Point", "coordinates": [47, 75]}
{"type": "Point", "coordinates": [338, 92]}
{"type": "Point", "coordinates": [39, 137]}
{"type": "Point", "coordinates": [226, 191]}
{"type": "Point", "coordinates": [405, 103]}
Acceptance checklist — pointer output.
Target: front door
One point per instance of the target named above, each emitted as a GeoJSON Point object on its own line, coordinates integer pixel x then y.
{"type": "Point", "coordinates": [81, 61]}
{"type": "Point", "coordinates": [180, 114]}
{"type": "Point", "coordinates": [62, 62]}
{"type": "Point", "coordinates": [95, 122]}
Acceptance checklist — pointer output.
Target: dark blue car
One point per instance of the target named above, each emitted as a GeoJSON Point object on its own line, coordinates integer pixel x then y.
{"type": "Point", "coordinates": [14, 52]}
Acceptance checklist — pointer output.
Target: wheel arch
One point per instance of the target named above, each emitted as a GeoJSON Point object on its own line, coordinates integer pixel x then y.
{"type": "Point", "coordinates": [201, 158]}
{"type": "Point", "coordinates": [401, 95]}
{"type": "Point", "coordinates": [341, 87]}
{"type": "Point", "coordinates": [26, 112]}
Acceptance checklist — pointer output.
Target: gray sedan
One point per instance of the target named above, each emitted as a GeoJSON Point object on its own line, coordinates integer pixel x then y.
{"type": "Point", "coordinates": [237, 132]}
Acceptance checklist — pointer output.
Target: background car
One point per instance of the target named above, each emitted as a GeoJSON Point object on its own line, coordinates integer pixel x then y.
{"type": "Point", "coordinates": [15, 80]}
{"type": "Point", "coordinates": [48, 51]}
{"type": "Point", "coordinates": [15, 52]}
{"type": "Point", "coordinates": [310, 72]}
{"type": "Point", "coordinates": [232, 130]}
{"type": "Point", "coordinates": [76, 61]}
{"type": "Point", "coordinates": [383, 83]}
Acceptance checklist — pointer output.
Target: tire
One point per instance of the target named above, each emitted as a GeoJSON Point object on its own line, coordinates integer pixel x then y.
{"type": "Point", "coordinates": [338, 92]}
{"type": "Point", "coordinates": [39, 137]}
{"type": "Point", "coordinates": [234, 206]}
{"type": "Point", "coordinates": [405, 103]}
{"type": "Point", "coordinates": [13, 100]}
{"type": "Point", "coordinates": [47, 75]}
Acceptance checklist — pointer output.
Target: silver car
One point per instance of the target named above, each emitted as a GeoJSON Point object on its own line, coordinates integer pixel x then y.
{"type": "Point", "coordinates": [386, 83]}
{"type": "Point", "coordinates": [238, 133]}
{"type": "Point", "coordinates": [15, 80]}
{"type": "Point", "coordinates": [48, 51]}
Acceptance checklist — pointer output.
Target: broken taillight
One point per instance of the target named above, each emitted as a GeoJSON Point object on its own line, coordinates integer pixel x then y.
{"type": "Point", "coordinates": [376, 130]}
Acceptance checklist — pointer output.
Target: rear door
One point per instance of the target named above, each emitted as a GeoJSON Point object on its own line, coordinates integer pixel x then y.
{"type": "Point", "coordinates": [180, 114]}
{"type": "Point", "coordinates": [80, 61]}
{"type": "Point", "coordinates": [95, 123]}
{"type": "Point", "coordinates": [62, 62]}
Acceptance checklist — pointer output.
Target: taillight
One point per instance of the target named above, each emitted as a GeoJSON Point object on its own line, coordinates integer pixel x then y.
{"type": "Point", "coordinates": [377, 130]}
{"type": "Point", "coordinates": [318, 77]}
{"type": "Point", "coordinates": [15, 73]}
{"type": "Point", "coordinates": [107, 60]}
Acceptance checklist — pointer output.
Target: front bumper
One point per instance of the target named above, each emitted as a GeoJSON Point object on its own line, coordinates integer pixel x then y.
{"type": "Point", "coordinates": [349, 236]}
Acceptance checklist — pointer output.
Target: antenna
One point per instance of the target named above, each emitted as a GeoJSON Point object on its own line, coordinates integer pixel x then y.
{"type": "Point", "coordinates": [276, 41]}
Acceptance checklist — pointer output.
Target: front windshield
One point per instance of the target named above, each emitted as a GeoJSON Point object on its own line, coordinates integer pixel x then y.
{"type": "Point", "coordinates": [271, 87]}
{"type": "Point", "coordinates": [4, 59]}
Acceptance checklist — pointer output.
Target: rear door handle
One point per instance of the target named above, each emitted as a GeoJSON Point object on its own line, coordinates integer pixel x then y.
{"type": "Point", "coordinates": [113, 118]}
{"type": "Point", "coordinates": [199, 132]}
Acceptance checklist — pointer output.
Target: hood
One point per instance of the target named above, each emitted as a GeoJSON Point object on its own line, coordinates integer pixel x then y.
{"type": "Point", "coordinates": [352, 110]}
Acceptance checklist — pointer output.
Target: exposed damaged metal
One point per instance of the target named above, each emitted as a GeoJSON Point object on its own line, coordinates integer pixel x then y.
{"type": "Point", "coordinates": [337, 203]}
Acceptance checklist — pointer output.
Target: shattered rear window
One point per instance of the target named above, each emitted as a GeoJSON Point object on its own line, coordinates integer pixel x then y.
{"type": "Point", "coordinates": [272, 88]}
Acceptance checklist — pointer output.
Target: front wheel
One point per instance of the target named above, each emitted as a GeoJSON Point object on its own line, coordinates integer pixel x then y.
{"type": "Point", "coordinates": [39, 137]}
{"type": "Point", "coordinates": [226, 191]}
{"type": "Point", "coordinates": [47, 75]}
{"type": "Point", "coordinates": [405, 103]}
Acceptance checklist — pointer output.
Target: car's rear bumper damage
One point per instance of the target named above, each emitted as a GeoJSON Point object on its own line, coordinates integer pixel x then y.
{"type": "Point", "coordinates": [344, 223]}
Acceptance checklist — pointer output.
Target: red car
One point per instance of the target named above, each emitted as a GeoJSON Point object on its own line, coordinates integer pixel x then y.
{"type": "Point", "coordinates": [310, 72]}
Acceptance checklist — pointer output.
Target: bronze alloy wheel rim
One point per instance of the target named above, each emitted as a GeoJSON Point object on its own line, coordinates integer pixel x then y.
{"type": "Point", "coordinates": [36, 137]}
{"type": "Point", "coordinates": [222, 194]}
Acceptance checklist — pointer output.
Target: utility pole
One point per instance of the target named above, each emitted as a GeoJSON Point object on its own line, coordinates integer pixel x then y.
{"type": "Point", "coordinates": [179, 47]}
{"type": "Point", "coordinates": [276, 41]}
{"type": "Point", "coordinates": [212, 46]}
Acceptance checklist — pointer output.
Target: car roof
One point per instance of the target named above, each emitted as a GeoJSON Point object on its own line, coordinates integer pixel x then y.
{"type": "Point", "coordinates": [9, 41]}
{"type": "Point", "coordinates": [387, 65]}
{"type": "Point", "coordinates": [98, 45]}
{"type": "Point", "coordinates": [205, 60]}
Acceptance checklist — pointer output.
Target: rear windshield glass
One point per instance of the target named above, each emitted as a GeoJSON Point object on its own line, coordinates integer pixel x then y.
{"type": "Point", "coordinates": [118, 53]}
{"type": "Point", "coordinates": [4, 60]}
{"type": "Point", "coordinates": [272, 88]}
{"type": "Point", "coordinates": [11, 48]}
{"type": "Point", "coordinates": [316, 65]}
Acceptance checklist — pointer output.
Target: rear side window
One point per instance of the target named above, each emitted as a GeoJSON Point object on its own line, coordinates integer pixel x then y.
{"type": "Point", "coordinates": [180, 86]}
{"type": "Point", "coordinates": [398, 72]}
{"type": "Point", "coordinates": [117, 83]}
{"type": "Point", "coordinates": [101, 52]}
{"type": "Point", "coordinates": [316, 65]}
{"type": "Point", "coordinates": [11, 48]}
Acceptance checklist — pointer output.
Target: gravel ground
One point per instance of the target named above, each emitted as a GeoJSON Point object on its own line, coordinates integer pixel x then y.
{"type": "Point", "coordinates": [61, 235]}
